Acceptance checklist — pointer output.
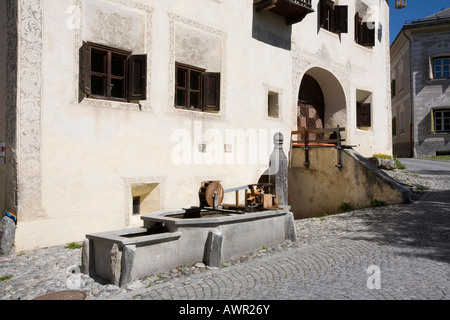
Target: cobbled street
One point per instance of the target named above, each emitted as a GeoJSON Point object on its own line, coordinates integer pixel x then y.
{"type": "Point", "coordinates": [399, 252]}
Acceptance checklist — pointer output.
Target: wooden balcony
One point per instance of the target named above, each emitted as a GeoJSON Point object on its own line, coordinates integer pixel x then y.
{"type": "Point", "coordinates": [293, 10]}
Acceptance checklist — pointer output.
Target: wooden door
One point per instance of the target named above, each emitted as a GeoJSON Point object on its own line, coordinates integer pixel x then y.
{"type": "Point", "coordinates": [311, 107]}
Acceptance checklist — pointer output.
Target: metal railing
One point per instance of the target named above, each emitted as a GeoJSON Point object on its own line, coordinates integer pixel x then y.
{"type": "Point", "coordinates": [303, 141]}
{"type": "Point", "coordinates": [306, 3]}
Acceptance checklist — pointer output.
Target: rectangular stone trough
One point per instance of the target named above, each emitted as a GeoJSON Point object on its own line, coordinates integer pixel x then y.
{"type": "Point", "coordinates": [168, 240]}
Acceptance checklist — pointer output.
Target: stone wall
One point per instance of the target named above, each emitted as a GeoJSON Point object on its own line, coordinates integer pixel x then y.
{"type": "Point", "coordinates": [429, 93]}
{"type": "Point", "coordinates": [323, 187]}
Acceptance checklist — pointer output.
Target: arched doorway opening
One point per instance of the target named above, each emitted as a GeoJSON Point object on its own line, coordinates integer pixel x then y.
{"type": "Point", "coordinates": [321, 101]}
{"type": "Point", "coordinates": [311, 105]}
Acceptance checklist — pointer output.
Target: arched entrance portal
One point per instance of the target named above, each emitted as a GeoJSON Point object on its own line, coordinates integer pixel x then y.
{"type": "Point", "coordinates": [311, 105]}
{"type": "Point", "coordinates": [321, 101]}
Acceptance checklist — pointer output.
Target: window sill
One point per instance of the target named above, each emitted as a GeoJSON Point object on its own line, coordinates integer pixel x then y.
{"type": "Point", "coordinates": [114, 104]}
{"type": "Point", "coordinates": [364, 129]}
{"type": "Point", "coordinates": [368, 49]}
{"type": "Point", "coordinates": [443, 80]}
{"type": "Point", "coordinates": [331, 33]}
{"type": "Point", "coordinates": [96, 97]}
{"type": "Point", "coordinates": [197, 110]}
{"type": "Point", "coordinates": [195, 114]}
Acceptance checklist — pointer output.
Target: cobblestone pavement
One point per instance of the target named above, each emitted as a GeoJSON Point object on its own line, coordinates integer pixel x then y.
{"type": "Point", "coordinates": [392, 252]}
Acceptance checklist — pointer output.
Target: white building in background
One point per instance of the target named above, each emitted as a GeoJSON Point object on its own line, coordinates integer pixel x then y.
{"type": "Point", "coordinates": [114, 108]}
{"type": "Point", "coordinates": [420, 78]}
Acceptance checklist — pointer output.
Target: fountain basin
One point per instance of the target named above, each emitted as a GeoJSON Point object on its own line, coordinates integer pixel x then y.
{"type": "Point", "coordinates": [168, 240]}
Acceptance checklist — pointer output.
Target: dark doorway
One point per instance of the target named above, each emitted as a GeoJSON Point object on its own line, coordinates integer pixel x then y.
{"type": "Point", "coordinates": [311, 106]}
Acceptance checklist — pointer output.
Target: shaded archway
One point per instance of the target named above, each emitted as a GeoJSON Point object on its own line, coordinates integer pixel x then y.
{"type": "Point", "coordinates": [311, 105]}
{"type": "Point", "coordinates": [321, 100]}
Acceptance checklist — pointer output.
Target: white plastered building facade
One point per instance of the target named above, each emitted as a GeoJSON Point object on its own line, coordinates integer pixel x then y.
{"type": "Point", "coordinates": [76, 163]}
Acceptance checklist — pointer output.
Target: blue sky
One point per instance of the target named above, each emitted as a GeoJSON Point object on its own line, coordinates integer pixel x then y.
{"type": "Point", "coordinates": [415, 9]}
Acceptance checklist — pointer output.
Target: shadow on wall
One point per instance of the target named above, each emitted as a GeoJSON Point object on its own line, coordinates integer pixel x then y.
{"type": "Point", "coordinates": [323, 187]}
{"type": "Point", "coordinates": [271, 29]}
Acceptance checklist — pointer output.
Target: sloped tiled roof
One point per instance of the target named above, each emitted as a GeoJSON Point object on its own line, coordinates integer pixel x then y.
{"type": "Point", "coordinates": [442, 16]}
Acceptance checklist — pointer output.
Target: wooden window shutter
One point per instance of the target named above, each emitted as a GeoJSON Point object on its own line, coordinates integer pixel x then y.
{"type": "Point", "coordinates": [368, 34]}
{"type": "Point", "coordinates": [432, 123]}
{"type": "Point", "coordinates": [394, 126]}
{"type": "Point", "coordinates": [137, 77]}
{"type": "Point", "coordinates": [341, 19]}
{"type": "Point", "coordinates": [393, 88]}
{"type": "Point", "coordinates": [86, 68]}
{"type": "Point", "coordinates": [363, 115]}
{"type": "Point", "coordinates": [211, 91]}
{"type": "Point", "coordinates": [323, 13]}
{"type": "Point", "coordinates": [357, 28]}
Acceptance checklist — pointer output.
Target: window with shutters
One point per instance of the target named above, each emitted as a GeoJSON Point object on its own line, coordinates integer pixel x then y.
{"type": "Point", "coordinates": [333, 18]}
{"type": "Point", "coordinates": [364, 102]}
{"type": "Point", "coordinates": [441, 120]}
{"type": "Point", "coordinates": [363, 115]}
{"type": "Point", "coordinates": [113, 74]}
{"type": "Point", "coordinates": [196, 89]}
{"type": "Point", "coordinates": [441, 67]}
{"type": "Point", "coordinates": [364, 32]}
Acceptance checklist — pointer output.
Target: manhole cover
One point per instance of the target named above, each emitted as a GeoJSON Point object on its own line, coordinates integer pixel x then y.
{"type": "Point", "coordinates": [63, 295]}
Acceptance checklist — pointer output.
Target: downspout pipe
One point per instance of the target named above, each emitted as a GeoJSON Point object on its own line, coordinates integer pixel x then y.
{"type": "Point", "coordinates": [411, 98]}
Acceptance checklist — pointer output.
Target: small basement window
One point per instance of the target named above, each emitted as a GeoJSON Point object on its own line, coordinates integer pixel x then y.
{"type": "Point", "coordinates": [363, 109]}
{"type": "Point", "coordinates": [363, 115]}
{"type": "Point", "coordinates": [136, 205]}
{"type": "Point", "coordinates": [196, 89]}
{"type": "Point", "coordinates": [146, 197]}
{"type": "Point", "coordinates": [113, 74]}
{"type": "Point", "coordinates": [273, 108]}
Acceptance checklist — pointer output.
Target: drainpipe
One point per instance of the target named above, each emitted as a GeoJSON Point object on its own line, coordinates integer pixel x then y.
{"type": "Point", "coordinates": [411, 98]}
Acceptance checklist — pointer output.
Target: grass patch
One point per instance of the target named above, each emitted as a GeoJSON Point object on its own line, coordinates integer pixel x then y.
{"type": "Point", "coordinates": [377, 203]}
{"type": "Point", "coordinates": [382, 156]}
{"type": "Point", "coordinates": [344, 207]}
{"type": "Point", "coordinates": [399, 165]}
{"type": "Point", "coordinates": [6, 277]}
{"type": "Point", "coordinates": [445, 158]}
{"type": "Point", "coordinates": [73, 245]}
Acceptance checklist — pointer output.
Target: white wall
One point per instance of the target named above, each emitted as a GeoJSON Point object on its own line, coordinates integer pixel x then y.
{"type": "Point", "coordinates": [92, 151]}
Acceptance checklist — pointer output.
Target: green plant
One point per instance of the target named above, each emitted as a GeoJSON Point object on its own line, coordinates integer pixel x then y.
{"type": "Point", "coordinates": [398, 164]}
{"type": "Point", "coordinates": [382, 156]}
{"type": "Point", "coordinates": [6, 277]}
{"type": "Point", "coordinates": [73, 245]}
{"type": "Point", "coordinates": [344, 207]}
{"type": "Point", "coordinates": [377, 203]}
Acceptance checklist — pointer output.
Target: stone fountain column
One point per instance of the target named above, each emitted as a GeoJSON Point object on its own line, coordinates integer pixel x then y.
{"type": "Point", "coordinates": [277, 174]}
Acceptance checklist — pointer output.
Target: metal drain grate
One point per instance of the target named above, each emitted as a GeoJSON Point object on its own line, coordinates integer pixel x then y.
{"type": "Point", "coordinates": [63, 295]}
